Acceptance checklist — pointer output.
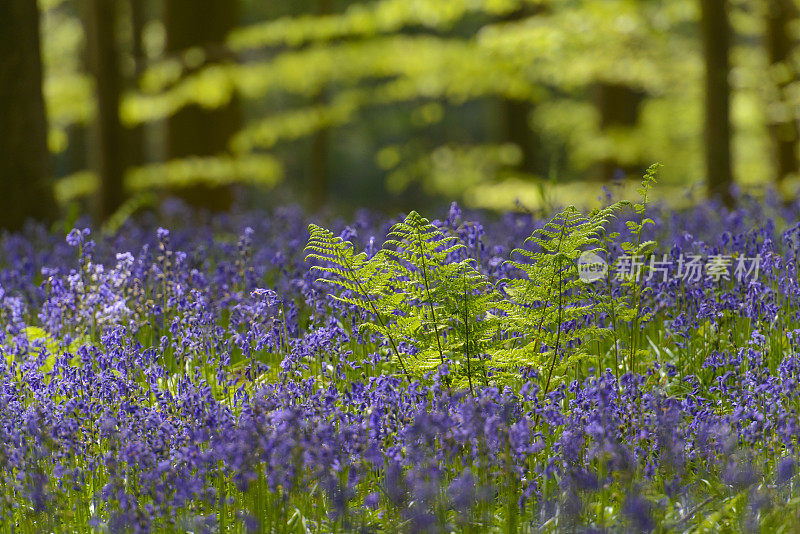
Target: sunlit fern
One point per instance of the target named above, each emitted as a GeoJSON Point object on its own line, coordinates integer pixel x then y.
{"type": "Point", "coordinates": [449, 304]}
{"type": "Point", "coordinates": [424, 293]}
{"type": "Point", "coordinates": [550, 306]}
{"type": "Point", "coordinates": [364, 283]}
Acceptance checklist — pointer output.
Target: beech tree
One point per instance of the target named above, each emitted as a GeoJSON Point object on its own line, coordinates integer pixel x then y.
{"type": "Point", "coordinates": [783, 126]}
{"type": "Point", "coordinates": [110, 147]}
{"type": "Point", "coordinates": [24, 157]}
{"type": "Point", "coordinates": [197, 130]}
{"type": "Point", "coordinates": [452, 99]}
{"type": "Point", "coordinates": [716, 34]}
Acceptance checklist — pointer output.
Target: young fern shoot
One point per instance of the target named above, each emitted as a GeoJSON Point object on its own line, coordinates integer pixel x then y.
{"type": "Point", "coordinates": [634, 249]}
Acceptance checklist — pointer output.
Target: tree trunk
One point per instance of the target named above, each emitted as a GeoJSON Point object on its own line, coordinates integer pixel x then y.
{"type": "Point", "coordinates": [320, 171]}
{"type": "Point", "coordinates": [24, 157]}
{"type": "Point", "coordinates": [320, 174]}
{"type": "Point", "coordinates": [783, 128]}
{"type": "Point", "coordinates": [516, 113]}
{"type": "Point", "coordinates": [619, 107]}
{"type": "Point", "coordinates": [104, 63]}
{"type": "Point", "coordinates": [135, 136]}
{"type": "Point", "coordinates": [716, 35]}
{"type": "Point", "coordinates": [195, 131]}
{"type": "Point", "coordinates": [518, 131]}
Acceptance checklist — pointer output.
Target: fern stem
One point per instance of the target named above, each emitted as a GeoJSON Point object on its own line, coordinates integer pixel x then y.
{"type": "Point", "coordinates": [377, 314]}
{"type": "Point", "coordinates": [466, 339]}
{"type": "Point", "coordinates": [612, 303]}
{"type": "Point", "coordinates": [558, 339]}
{"type": "Point", "coordinates": [549, 285]}
{"type": "Point", "coordinates": [599, 370]}
{"type": "Point", "coordinates": [421, 244]}
{"type": "Point", "coordinates": [636, 291]}
{"type": "Point", "coordinates": [558, 328]}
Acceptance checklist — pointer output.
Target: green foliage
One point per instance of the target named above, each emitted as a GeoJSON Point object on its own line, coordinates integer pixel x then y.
{"type": "Point", "coordinates": [424, 293]}
{"type": "Point", "coordinates": [363, 57]}
{"type": "Point", "coordinates": [364, 281]}
{"type": "Point", "coordinates": [552, 295]}
{"type": "Point", "coordinates": [635, 248]}
{"type": "Point", "coordinates": [448, 169]}
{"type": "Point", "coordinates": [48, 349]}
{"type": "Point", "coordinates": [445, 299]}
{"type": "Point", "coordinates": [366, 20]}
{"type": "Point", "coordinates": [352, 68]}
{"type": "Point", "coordinates": [260, 170]}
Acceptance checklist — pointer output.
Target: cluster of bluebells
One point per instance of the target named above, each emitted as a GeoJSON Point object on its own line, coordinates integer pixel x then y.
{"type": "Point", "coordinates": [192, 375]}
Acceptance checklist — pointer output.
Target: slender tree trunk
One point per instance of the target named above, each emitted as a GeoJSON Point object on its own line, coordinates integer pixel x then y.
{"type": "Point", "coordinates": [516, 113]}
{"type": "Point", "coordinates": [135, 136]}
{"type": "Point", "coordinates": [78, 148]}
{"type": "Point", "coordinates": [79, 134]}
{"type": "Point", "coordinates": [518, 131]}
{"type": "Point", "coordinates": [195, 131]}
{"type": "Point", "coordinates": [104, 63]}
{"type": "Point", "coordinates": [24, 157]}
{"type": "Point", "coordinates": [320, 171]}
{"type": "Point", "coordinates": [618, 105]}
{"type": "Point", "coordinates": [716, 34]}
{"type": "Point", "coordinates": [781, 14]}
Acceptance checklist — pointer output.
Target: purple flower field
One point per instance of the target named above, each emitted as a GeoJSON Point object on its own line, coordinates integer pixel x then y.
{"type": "Point", "coordinates": [201, 374]}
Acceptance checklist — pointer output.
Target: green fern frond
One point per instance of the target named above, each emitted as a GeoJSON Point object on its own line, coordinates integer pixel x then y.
{"type": "Point", "coordinates": [425, 293]}
{"type": "Point", "coordinates": [549, 299]}
{"type": "Point", "coordinates": [419, 290]}
{"type": "Point", "coordinates": [365, 281]}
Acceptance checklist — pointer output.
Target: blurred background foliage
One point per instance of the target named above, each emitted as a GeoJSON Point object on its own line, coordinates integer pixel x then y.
{"type": "Point", "coordinates": [405, 103]}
